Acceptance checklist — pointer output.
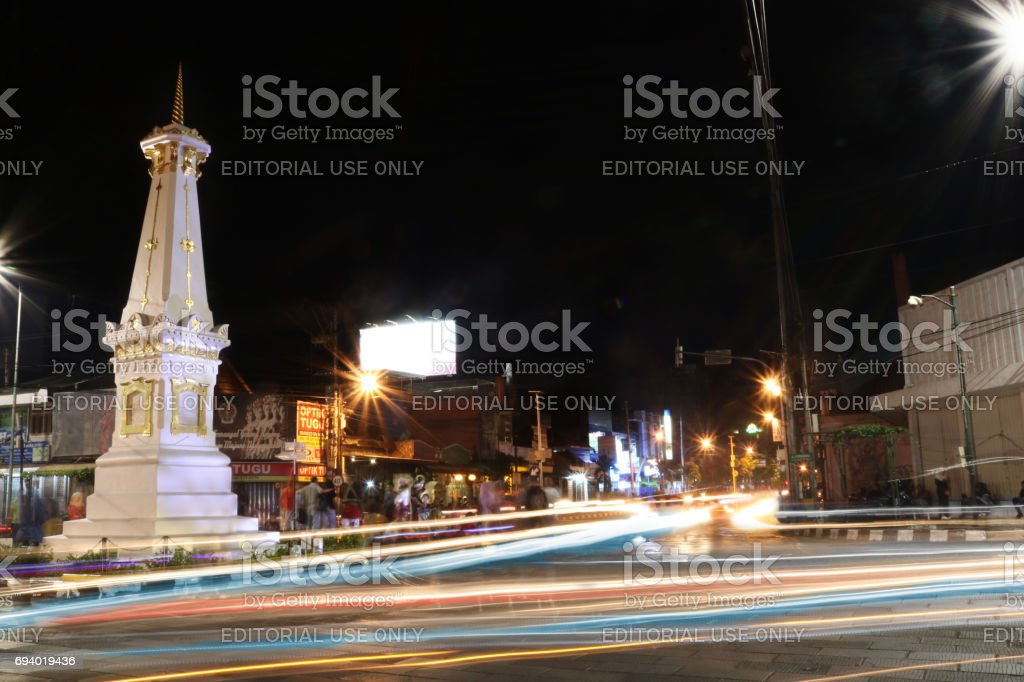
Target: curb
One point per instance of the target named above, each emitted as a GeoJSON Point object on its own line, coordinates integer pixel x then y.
{"type": "Point", "coordinates": [903, 534]}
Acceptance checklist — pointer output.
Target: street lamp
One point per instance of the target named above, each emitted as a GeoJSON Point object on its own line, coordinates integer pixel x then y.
{"type": "Point", "coordinates": [772, 386]}
{"type": "Point", "coordinates": [368, 386]}
{"type": "Point", "coordinates": [6, 269]}
{"type": "Point", "coordinates": [916, 301]}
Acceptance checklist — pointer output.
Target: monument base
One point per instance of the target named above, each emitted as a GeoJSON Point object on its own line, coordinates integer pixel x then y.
{"type": "Point", "coordinates": [96, 537]}
{"type": "Point", "coordinates": [147, 501]}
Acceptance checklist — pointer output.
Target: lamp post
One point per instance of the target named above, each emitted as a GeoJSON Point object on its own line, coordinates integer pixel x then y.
{"type": "Point", "coordinates": [367, 387]}
{"type": "Point", "coordinates": [732, 460]}
{"type": "Point", "coordinates": [917, 301]}
{"type": "Point", "coordinates": [9, 488]}
{"type": "Point", "coordinates": [707, 445]}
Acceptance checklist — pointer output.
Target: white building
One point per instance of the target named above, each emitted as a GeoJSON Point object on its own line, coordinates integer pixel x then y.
{"type": "Point", "coordinates": [991, 311]}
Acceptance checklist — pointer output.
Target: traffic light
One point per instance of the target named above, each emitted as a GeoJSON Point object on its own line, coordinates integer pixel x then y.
{"type": "Point", "coordinates": [679, 355]}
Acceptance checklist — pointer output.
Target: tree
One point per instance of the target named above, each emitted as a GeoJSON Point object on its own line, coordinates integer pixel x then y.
{"type": "Point", "coordinates": [693, 474]}
{"type": "Point", "coordinates": [745, 465]}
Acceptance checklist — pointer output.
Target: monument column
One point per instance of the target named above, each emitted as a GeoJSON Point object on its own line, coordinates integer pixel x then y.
{"type": "Point", "coordinates": [163, 477]}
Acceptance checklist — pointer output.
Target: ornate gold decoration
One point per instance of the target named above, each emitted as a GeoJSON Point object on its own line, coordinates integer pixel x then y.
{"type": "Point", "coordinates": [188, 246]}
{"type": "Point", "coordinates": [144, 389]}
{"type": "Point", "coordinates": [181, 388]}
{"type": "Point", "coordinates": [178, 110]}
{"type": "Point", "coordinates": [151, 245]}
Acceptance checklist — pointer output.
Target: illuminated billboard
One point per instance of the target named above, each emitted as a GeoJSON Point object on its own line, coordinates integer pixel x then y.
{"type": "Point", "coordinates": [420, 349]}
{"type": "Point", "coordinates": [310, 424]}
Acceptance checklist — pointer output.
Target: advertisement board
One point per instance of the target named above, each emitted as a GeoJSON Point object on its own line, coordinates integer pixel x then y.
{"type": "Point", "coordinates": [310, 427]}
{"type": "Point", "coordinates": [415, 348]}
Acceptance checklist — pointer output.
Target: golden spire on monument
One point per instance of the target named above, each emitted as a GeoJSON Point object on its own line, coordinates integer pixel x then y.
{"type": "Point", "coordinates": [178, 111]}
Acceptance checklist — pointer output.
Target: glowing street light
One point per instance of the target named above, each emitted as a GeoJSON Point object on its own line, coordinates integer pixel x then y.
{"type": "Point", "coordinates": [706, 443]}
{"type": "Point", "coordinates": [772, 386]}
{"type": "Point", "coordinates": [368, 383]}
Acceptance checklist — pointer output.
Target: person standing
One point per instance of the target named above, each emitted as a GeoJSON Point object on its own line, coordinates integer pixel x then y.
{"type": "Point", "coordinates": [309, 494]}
{"type": "Point", "coordinates": [305, 506]}
{"type": "Point", "coordinates": [942, 492]}
{"type": "Point", "coordinates": [326, 513]}
{"type": "Point", "coordinates": [286, 506]}
{"type": "Point", "coordinates": [1018, 501]}
{"type": "Point", "coordinates": [76, 508]}
{"type": "Point", "coordinates": [389, 503]}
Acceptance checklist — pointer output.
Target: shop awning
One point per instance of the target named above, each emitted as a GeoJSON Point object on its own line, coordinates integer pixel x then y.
{"type": "Point", "coordinates": [63, 469]}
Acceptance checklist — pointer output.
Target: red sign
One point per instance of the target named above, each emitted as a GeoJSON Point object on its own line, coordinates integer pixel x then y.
{"type": "Point", "coordinates": [258, 470]}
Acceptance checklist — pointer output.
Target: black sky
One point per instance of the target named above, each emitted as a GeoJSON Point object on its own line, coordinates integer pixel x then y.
{"type": "Point", "coordinates": [512, 113]}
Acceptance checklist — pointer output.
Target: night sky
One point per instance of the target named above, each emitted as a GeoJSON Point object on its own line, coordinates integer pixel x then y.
{"type": "Point", "coordinates": [511, 114]}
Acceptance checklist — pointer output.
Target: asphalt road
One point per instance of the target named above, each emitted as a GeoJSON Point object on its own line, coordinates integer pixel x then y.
{"type": "Point", "coordinates": [812, 608]}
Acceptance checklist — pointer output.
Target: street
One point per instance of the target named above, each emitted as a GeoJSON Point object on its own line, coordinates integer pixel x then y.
{"type": "Point", "coordinates": [710, 601]}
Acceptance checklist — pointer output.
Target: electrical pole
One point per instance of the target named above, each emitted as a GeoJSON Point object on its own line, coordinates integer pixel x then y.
{"type": "Point", "coordinates": [9, 488]}
{"type": "Point", "coordinates": [972, 472]}
{"type": "Point", "coordinates": [629, 452]}
{"type": "Point", "coordinates": [540, 440]}
{"type": "Point", "coordinates": [732, 460]}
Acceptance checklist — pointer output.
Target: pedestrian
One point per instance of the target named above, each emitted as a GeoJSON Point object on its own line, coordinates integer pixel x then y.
{"type": "Point", "coordinates": [389, 503]}
{"type": "Point", "coordinates": [351, 511]}
{"type": "Point", "coordinates": [326, 512]}
{"type": "Point", "coordinates": [306, 503]}
{"type": "Point", "coordinates": [403, 503]}
{"type": "Point", "coordinates": [305, 508]}
{"type": "Point", "coordinates": [286, 506]}
{"type": "Point", "coordinates": [76, 508]}
{"type": "Point", "coordinates": [1018, 501]}
{"type": "Point", "coordinates": [942, 492]}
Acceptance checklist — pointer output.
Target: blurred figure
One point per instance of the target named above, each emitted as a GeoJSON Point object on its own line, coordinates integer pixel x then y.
{"type": "Point", "coordinates": [33, 515]}
{"type": "Point", "coordinates": [326, 515]}
{"type": "Point", "coordinates": [533, 498]}
{"type": "Point", "coordinates": [286, 506]}
{"type": "Point", "coordinates": [942, 492]}
{"type": "Point", "coordinates": [1018, 501]}
{"type": "Point", "coordinates": [306, 503]}
{"type": "Point", "coordinates": [351, 511]}
{"type": "Point", "coordinates": [389, 502]}
{"type": "Point", "coordinates": [492, 496]}
{"type": "Point", "coordinates": [403, 503]}
{"type": "Point", "coordinates": [76, 508]}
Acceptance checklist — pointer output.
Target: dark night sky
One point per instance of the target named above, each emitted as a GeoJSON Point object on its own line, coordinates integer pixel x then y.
{"type": "Point", "coordinates": [512, 114]}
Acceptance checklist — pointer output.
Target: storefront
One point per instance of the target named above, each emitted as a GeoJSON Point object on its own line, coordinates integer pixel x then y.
{"type": "Point", "coordinates": [256, 485]}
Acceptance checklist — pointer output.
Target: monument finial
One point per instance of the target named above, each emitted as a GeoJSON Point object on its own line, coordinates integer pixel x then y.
{"type": "Point", "coordinates": [178, 111]}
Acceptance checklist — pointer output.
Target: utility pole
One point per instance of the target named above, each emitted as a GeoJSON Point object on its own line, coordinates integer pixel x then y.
{"type": "Point", "coordinates": [9, 488]}
{"type": "Point", "coordinates": [682, 451]}
{"type": "Point", "coordinates": [629, 452]}
{"type": "Point", "coordinates": [972, 472]}
{"type": "Point", "coordinates": [540, 439]}
{"type": "Point", "coordinates": [732, 460]}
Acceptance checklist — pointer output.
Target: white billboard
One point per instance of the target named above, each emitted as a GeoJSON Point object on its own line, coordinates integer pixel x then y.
{"type": "Point", "coordinates": [417, 348]}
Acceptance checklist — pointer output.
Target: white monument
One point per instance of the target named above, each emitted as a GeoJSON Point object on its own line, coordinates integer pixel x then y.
{"type": "Point", "coordinates": [163, 478]}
